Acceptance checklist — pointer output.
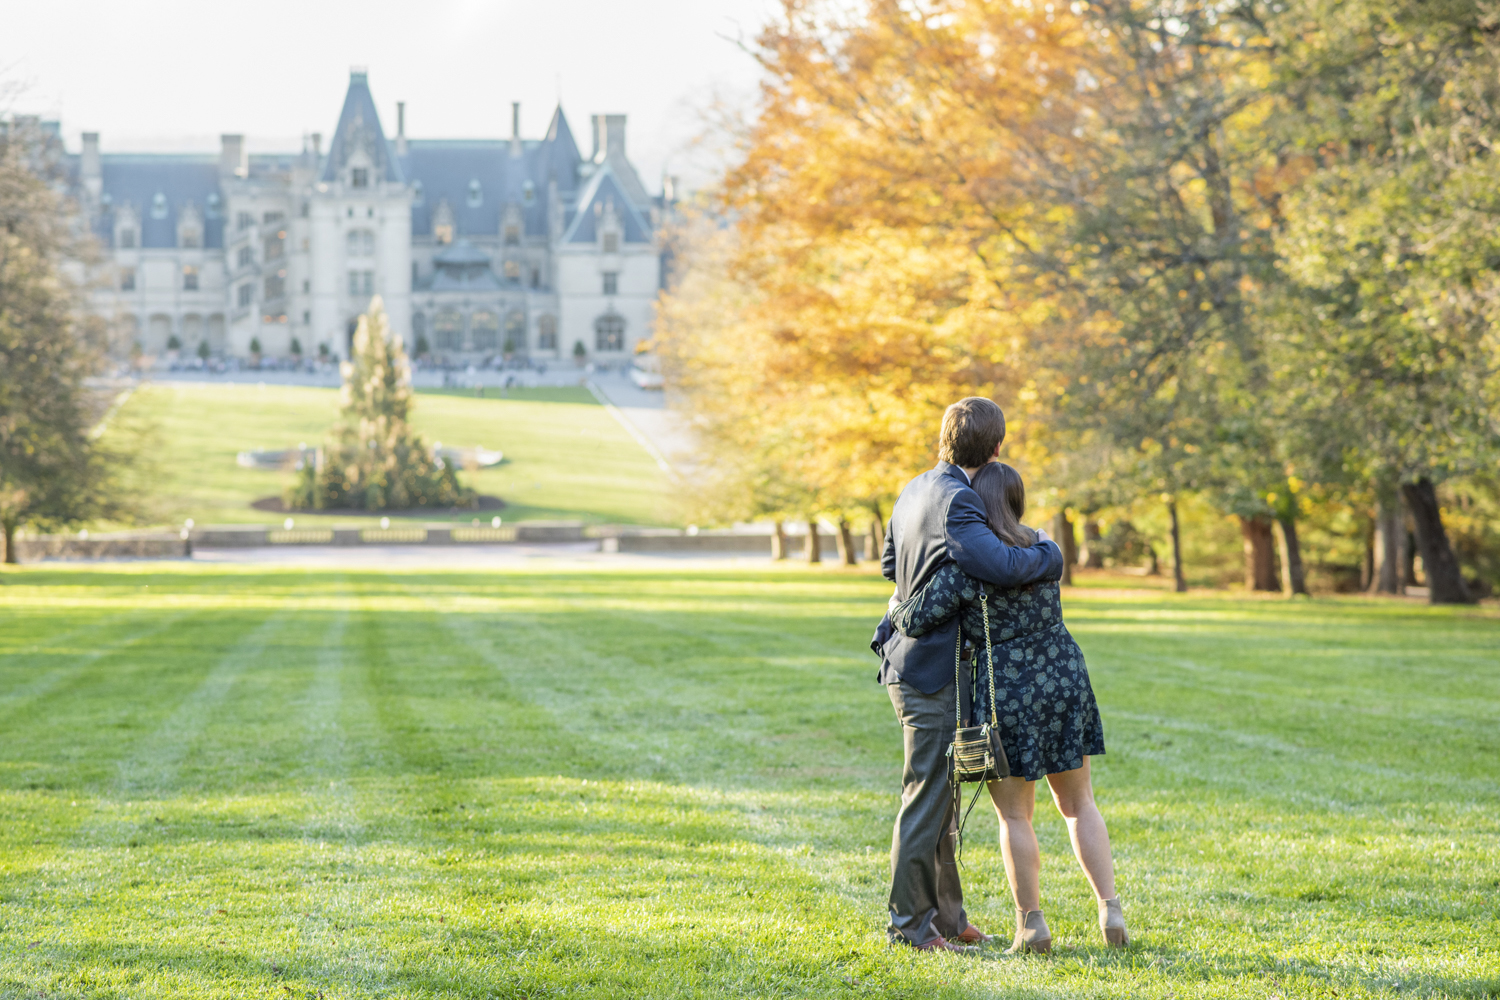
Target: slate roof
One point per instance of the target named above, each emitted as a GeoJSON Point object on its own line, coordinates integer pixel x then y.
{"type": "Point", "coordinates": [359, 124]}
{"type": "Point", "coordinates": [136, 179]}
{"type": "Point", "coordinates": [444, 170]}
{"type": "Point", "coordinates": [604, 188]}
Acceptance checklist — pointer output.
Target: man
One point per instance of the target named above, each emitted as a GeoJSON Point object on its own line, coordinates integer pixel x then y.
{"type": "Point", "coordinates": [936, 519]}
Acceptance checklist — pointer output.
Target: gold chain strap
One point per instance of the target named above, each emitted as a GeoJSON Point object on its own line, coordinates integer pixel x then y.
{"type": "Point", "coordinates": [958, 650]}
{"type": "Point", "coordinates": [989, 666]}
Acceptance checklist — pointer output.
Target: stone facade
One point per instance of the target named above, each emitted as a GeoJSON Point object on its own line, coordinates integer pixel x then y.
{"type": "Point", "coordinates": [482, 249]}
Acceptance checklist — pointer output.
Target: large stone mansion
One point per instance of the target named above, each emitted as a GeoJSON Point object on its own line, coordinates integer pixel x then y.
{"type": "Point", "coordinates": [479, 247]}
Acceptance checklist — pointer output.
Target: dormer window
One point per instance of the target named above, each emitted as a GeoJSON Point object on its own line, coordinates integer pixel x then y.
{"type": "Point", "coordinates": [476, 194]}
{"type": "Point", "coordinates": [611, 242]}
{"type": "Point", "coordinates": [359, 177]}
{"type": "Point", "coordinates": [213, 204]}
{"type": "Point", "coordinates": [442, 223]}
{"type": "Point", "coordinates": [158, 206]}
{"type": "Point", "coordinates": [528, 191]}
{"type": "Point", "coordinates": [512, 235]}
{"type": "Point", "coordinates": [127, 239]}
{"type": "Point", "coordinates": [190, 238]}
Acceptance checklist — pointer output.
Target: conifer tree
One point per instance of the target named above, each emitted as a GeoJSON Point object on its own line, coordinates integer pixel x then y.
{"type": "Point", "coordinates": [372, 458]}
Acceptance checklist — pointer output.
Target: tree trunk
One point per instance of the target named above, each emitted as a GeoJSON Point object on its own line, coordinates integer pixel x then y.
{"type": "Point", "coordinates": [1088, 556]}
{"type": "Point", "coordinates": [1153, 568]}
{"type": "Point", "coordinates": [846, 544]}
{"type": "Point", "coordinates": [1179, 580]}
{"type": "Point", "coordinates": [877, 538]}
{"type": "Point", "coordinates": [1387, 576]}
{"type": "Point", "coordinates": [814, 549]}
{"type": "Point", "coordinates": [11, 556]}
{"type": "Point", "coordinates": [1062, 533]}
{"type": "Point", "coordinates": [1293, 576]}
{"type": "Point", "coordinates": [1408, 542]}
{"type": "Point", "coordinates": [1445, 581]}
{"type": "Point", "coordinates": [1367, 567]}
{"type": "Point", "coordinates": [1260, 561]}
{"type": "Point", "coordinates": [778, 541]}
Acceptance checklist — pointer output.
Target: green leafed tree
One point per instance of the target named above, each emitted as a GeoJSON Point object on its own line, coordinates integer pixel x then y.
{"type": "Point", "coordinates": [373, 459]}
{"type": "Point", "coordinates": [58, 467]}
{"type": "Point", "coordinates": [1387, 349]}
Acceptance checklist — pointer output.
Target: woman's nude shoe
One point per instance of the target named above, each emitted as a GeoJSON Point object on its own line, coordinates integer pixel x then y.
{"type": "Point", "coordinates": [1032, 934]}
{"type": "Point", "coordinates": [1112, 923]}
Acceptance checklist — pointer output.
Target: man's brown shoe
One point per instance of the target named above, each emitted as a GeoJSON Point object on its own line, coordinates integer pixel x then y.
{"type": "Point", "coordinates": [943, 944]}
{"type": "Point", "coordinates": [973, 935]}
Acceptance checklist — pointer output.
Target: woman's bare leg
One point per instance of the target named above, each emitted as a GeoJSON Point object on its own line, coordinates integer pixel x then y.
{"type": "Point", "coordinates": [1073, 792]}
{"type": "Point", "coordinates": [1015, 801]}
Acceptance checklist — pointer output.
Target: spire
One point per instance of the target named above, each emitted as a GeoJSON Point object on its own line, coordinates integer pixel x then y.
{"type": "Point", "coordinates": [562, 151]}
{"type": "Point", "coordinates": [359, 129]}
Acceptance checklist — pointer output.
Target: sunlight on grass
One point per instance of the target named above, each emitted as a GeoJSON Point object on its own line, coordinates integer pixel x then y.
{"type": "Point", "coordinates": [566, 458]}
{"type": "Point", "coordinates": [256, 781]}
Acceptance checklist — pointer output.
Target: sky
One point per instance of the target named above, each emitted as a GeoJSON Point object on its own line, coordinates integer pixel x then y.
{"type": "Point", "coordinates": [171, 75]}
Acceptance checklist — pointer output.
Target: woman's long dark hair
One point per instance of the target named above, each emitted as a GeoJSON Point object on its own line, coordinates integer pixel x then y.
{"type": "Point", "coordinates": [1004, 496]}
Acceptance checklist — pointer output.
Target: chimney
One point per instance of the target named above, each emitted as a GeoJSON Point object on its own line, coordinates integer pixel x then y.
{"type": "Point", "coordinates": [515, 128]}
{"type": "Point", "coordinates": [609, 137]}
{"type": "Point", "coordinates": [400, 128]}
{"type": "Point", "coordinates": [232, 159]}
{"type": "Point", "coordinates": [90, 170]}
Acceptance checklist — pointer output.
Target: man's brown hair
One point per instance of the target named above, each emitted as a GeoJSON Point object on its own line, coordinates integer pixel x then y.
{"type": "Point", "coordinates": [972, 429]}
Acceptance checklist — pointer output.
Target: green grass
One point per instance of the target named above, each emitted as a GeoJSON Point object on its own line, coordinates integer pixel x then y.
{"type": "Point", "coordinates": [566, 458]}
{"type": "Point", "coordinates": [226, 782]}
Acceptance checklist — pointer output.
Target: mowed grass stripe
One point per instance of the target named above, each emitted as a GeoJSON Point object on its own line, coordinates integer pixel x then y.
{"type": "Point", "coordinates": [681, 784]}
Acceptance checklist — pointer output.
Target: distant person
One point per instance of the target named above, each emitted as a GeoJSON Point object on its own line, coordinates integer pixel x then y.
{"type": "Point", "coordinates": [1049, 721]}
{"type": "Point", "coordinates": [939, 521]}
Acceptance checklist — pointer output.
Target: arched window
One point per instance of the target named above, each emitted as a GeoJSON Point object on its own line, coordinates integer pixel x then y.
{"type": "Point", "coordinates": [609, 332]}
{"type": "Point", "coordinates": [159, 206]}
{"type": "Point", "coordinates": [448, 330]}
{"type": "Point", "coordinates": [361, 243]}
{"type": "Point", "coordinates": [485, 326]}
{"type": "Point", "coordinates": [476, 193]}
{"type": "Point", "coordinates": [546, 333]}
{"type": "Point", "coordinates": [515, 332]}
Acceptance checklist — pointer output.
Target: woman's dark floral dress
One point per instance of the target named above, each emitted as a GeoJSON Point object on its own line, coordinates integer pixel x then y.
{"type": "Point", "coordinates": [1048, 718]}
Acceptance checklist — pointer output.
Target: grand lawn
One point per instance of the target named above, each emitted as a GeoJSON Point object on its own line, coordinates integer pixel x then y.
{"type": "Point", "coordinates": [565, 456]}
{"type": "Point", "coordinates": [224, 782]}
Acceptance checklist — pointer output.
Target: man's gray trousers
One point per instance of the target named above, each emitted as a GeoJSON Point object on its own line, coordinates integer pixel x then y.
{"type": "Point", "coordinates": [927, 900]}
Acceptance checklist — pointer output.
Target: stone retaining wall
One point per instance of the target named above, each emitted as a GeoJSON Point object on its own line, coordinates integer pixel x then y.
{"type": "Point", "coordinates": [611, 538]}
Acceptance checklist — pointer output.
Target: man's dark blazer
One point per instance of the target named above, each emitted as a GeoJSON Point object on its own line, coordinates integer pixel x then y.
{"type": "Point", "coordinates": [938, 518]}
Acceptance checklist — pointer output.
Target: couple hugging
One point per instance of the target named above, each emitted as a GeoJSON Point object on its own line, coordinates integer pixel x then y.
{"type": "Point", "coordinates": [958, 553]}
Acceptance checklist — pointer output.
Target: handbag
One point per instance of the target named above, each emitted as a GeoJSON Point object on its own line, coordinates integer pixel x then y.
{"type": "Point", "coordinates": [977, 753]}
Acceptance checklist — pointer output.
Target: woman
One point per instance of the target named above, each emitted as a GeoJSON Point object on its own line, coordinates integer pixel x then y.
{"type": "Point", "coordinates": [1049, 723]}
